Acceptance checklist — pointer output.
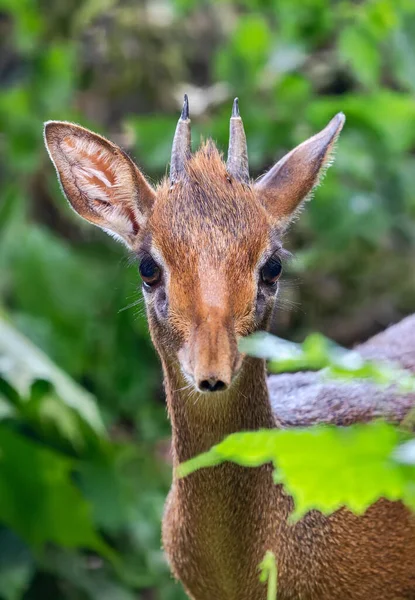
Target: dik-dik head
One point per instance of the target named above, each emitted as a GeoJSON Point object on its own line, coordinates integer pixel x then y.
{"type": "Point", "coordinates": [207, 239]}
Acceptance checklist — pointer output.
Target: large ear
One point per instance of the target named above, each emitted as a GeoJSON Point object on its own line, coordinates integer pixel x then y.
{"type": "Point", "coordinates": [99, 180]}
{"type": "Point", "coordinates": [292, 179]}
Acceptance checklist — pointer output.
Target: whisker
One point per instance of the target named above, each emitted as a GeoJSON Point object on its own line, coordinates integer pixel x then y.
{"type": "Point", "coordinates": [185, 387]}
{"type": "Point", "coordinates": [140, 313]}
{"type": "Point", "coordinates": [290, 283]}
{"type": "Point", "coordinates": [135, 303]}
{"type": "Point", "coordinates": [131, 259]}
{"type": "Point", "coordinates": [198, 396]}
{"type": "Point", "coordinates": [287, 304]}
{"type": "Point", "coordinates": [241, 394]}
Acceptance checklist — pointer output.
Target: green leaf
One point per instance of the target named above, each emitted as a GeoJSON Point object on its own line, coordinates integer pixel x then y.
{"type": "Point", "coordinates": [152, 137]}
{"type": "Point", "coordinates": [104, 487]}
{"type": "Point", "coordinates": [317, 353]}
{"type": "Point", "coordinates": [96, 581]}
{"type": "Point", "coordinates": [268, 569]}
{"type": "Point", "coordinates": [323, 468]}
{"type": "Point", "coordinates": [16, 566]}
{"type": "Point", "coordinates": [58, 513]}
{"type": "Point", "coordinates": [21, 364]}
{"type": "Point", "coordinates": [252, 37]}
{"type": "Point", "coordinates": [359, 51]}
{"type": "Point", "coordinates": [7, 410]}
{"type": "Point", "coordinates": [46, 411]}
{"type": "Point", "coordinates": [366, 115]}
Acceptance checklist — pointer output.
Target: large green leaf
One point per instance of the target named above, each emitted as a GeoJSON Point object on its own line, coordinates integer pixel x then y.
{"type": "Point", "coordinates": [323, 468]}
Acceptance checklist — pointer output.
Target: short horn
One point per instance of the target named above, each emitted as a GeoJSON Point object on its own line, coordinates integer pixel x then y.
{"type": "Point", "coordinates": [237, 164]}
{"type": "Point", "coordinates": [181, 149]}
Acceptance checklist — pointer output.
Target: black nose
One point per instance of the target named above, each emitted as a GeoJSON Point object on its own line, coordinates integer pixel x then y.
{"type": "Point", "coordinates": [212, 385]}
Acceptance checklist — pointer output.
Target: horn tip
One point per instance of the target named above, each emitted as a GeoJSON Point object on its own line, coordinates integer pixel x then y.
{"type": "Point", "coordinates": [185, 110]}
{"type": "Point", "coordinates": [235, 108]}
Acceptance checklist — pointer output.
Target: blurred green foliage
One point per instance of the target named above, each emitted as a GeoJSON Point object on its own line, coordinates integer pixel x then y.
{"type": "Point", "coordinates": [67, 490]}
{"type": "Point", "coordinates": [317, 353]}
{"type": "Point", "coordinates": [121, 67]}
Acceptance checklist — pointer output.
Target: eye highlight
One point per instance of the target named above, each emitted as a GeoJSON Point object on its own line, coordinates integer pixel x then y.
{"type": "Point", "coordinates": [150, 271]}
{"type": "Point", "coordinates": [271, 271]}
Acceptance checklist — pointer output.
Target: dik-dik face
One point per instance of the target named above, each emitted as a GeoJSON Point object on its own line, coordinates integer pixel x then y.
{"type": "Point", "coordinates": [207, 240]}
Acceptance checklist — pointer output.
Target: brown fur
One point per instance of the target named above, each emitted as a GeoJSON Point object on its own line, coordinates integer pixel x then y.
{"type": "Point", "coordinates": [211, 235]}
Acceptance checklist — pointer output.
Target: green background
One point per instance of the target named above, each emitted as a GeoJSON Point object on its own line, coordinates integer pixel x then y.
{"type": "Point", "coordinates": [81, 509]}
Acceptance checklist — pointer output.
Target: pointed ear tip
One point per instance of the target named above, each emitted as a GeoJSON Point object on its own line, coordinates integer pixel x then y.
{"type": "Point", "coordinates": [47, 125]}
{"type": "Point", "coordinates": [48, 128]}
{"type": "Point", "coordinates": [51, 123]}
{"type": "Point", "coordinates": [340, 120]}
{"type": "Point", "coordinates": [52, 127]}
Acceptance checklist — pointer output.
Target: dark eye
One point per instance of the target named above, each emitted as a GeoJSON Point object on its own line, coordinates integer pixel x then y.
{"type": "Point", "coordinates": [271, 271]}
{"type": "Point", "coordinates": [150, 272]}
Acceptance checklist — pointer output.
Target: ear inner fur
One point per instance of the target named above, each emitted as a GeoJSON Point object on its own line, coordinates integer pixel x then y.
{"type": "Point", "coordinates": [99, 180]}
{"type": "Point", "coordinates": [289, 182]}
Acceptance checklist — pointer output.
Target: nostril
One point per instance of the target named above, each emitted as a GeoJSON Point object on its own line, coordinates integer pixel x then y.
{"type": "Point", "coordinates": [204, 385]}
{"type": "Point", "coordinates": [212, 385]}
{"type": "Point", "coordinates": [218, 386]}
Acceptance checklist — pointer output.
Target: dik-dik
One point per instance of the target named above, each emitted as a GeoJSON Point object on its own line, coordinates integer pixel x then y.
{"type": "Point", "coordinates": [208, 243]}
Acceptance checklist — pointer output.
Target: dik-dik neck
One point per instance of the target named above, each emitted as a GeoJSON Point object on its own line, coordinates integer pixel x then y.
{"type": "Point", "coordinates": [220, 513]}
{"type": "Point", "coordinates": [201, 420]}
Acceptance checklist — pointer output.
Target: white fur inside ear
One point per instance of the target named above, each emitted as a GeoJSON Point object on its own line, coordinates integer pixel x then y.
{"type": "Point", "coordinates": [99, 180]}
{"type": "Point", "coordinates": [103, 178]}
{"type": "Point", "coordinates": [92, 166]}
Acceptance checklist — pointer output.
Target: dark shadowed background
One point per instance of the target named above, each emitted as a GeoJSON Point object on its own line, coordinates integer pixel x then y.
{"type": "Point", "coordinates": [80, 508]}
